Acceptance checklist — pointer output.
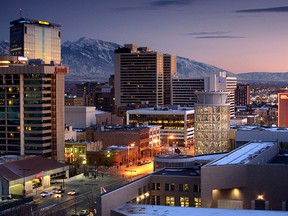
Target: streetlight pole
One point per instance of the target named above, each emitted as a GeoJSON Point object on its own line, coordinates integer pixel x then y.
{"type": "Point", "coordinates": [132, 144]}
{"type": "Point", "coordinates": [24, 175]}
{"type": "Point", "coordinates": [130, 172]}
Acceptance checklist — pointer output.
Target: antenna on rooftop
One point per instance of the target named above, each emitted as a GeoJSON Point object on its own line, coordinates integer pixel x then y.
{"type": "Point", "coordinates": [20, 12]}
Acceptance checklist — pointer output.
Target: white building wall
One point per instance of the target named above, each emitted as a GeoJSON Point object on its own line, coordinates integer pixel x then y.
{"type": "Point", "coordinates": [80, 116]}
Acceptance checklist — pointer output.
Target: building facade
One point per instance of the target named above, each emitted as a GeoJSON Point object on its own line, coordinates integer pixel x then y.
{"type": "Point", "coordinates": [36, 39]}
{"type": "Point", "coordinates": [139, 75]}
{"type": "Point", "coordinates": [80, 116]}
{"type": "Point", "coordinates": [31, 108]}
{"type": "Point", "coordinates": [124, 136]}
{"type": "Point", "coordinates": [177, 123]}
{"type": "Point", "coordinates": [184, 89]}
{"type": "Point", "coordinates": [242, 95]}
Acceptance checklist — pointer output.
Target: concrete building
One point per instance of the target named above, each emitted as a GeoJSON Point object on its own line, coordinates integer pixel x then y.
{"type": "Point", "coordinates": [177, 123]}
{"type": "Point", "coordinates": [250, 177]}
{"type": "Point", "coordinates": [36, 39]}
{"type": "Point", "coordinates": [139, 75]}
{"type": "Point", "coordinates": [245, 134]}
{"type": "Point", "coordinates": [31, 108]}
{"type": "Point", "coordinates": [80, 116]}
{"type": "Point", "coordinates": [212, 123]}
{"type": "Point", "coordinates": [282, 109]}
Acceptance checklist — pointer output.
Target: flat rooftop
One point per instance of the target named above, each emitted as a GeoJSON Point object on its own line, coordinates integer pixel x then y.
{"type": "Point", "coordinates": [243, 154]}
{"type": "Point", "coordinates": [260, 128]}
{"type": "Point", "coordinates": [137, 210]}
{"type": "Point", "coordinates": [191, 171]}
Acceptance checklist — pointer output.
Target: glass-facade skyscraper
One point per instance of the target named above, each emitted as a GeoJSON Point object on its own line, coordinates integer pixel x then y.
{"type": "Point", "coordinates": [36, 39]}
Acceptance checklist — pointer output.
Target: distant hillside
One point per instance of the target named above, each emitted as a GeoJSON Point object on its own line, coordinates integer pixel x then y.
{"type": "Point", "coordinates": [93, 60]}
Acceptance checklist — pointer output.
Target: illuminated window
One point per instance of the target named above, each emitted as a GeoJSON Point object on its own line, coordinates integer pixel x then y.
{"type": "Point", "coordinates": [197, 202]}
{"type": "Point", "coordinates": [184, 201]}
{"type": "Point", "coordinates": [170, 201]}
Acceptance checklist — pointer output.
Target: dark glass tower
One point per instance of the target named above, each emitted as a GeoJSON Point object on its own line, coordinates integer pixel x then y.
{"type": "Point", "coordinates": [36, 39]}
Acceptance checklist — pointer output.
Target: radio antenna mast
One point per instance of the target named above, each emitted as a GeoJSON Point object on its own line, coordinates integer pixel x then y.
{"type": "Point", "coordinates": [20, 12]}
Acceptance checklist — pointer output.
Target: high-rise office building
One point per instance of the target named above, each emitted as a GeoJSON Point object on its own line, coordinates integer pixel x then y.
{"type": "Point", "coordinates": [31, 108]}
{"type": "Point", "coordinates": [242, 95]}
{"type": "Point", "coordinates": [139, 75]}
{"type": "Point", "coordinates": [184, 89]}
{"type": "Point", "coordinates": [36, 39]}
{"type": "Point", "coordinates": [169, 73]}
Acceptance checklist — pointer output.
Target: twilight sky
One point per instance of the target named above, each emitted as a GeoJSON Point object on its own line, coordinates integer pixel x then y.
{"type": "Point", "coordinates": [235, 35]}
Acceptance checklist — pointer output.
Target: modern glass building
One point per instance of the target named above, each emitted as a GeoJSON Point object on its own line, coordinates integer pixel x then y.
{"type": "Point", "coordinates": [212, 123]}
{"type": "Point", "coordinates": [36, 39]}
{"type": "Point", "coordinates": [31, 108]}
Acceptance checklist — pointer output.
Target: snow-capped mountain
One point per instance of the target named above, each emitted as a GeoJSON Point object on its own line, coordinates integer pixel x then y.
{"type": "Point", "coordinates": [93, 60]}
{"type": "Point", "coordinates": [89, 59]}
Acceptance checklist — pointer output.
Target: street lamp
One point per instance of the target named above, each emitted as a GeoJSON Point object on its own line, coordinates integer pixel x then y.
{"type": "Point", "coordinates": [24, 174]}
{"type": "Point", "coordinates": [132, 144]}
{"type": "Point", "coordinates": [130, 172]}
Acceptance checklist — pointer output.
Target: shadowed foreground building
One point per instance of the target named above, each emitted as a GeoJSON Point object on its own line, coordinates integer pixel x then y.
{"type": "Point", "coordinates": [250, 177]}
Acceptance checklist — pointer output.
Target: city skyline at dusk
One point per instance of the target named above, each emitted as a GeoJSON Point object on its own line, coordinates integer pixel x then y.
{"type": "Point", "coordinates": [237, 36]}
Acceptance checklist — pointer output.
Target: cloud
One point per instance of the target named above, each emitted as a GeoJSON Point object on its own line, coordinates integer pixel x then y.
{"type": "Point", "coordinates": [263, 10]}
{"type": "Point", "coordinates": [155, 5]}
{"type": "Point", "coordinates": [209, 33]}
{"type": "Point", "coordinates": [218, 37]}
{"type": "Point", "coordinates": [213, 35]}
{"type": "Point", "coordinates": [164, 3]}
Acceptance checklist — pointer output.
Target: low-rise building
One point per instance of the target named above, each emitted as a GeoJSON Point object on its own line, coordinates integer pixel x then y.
{"type": "Point", "coordinates": [245, 134]}
{"type": "Point", "coordinates": [177, 123]}
{"type": "Point", "coordinates": [24, 175]}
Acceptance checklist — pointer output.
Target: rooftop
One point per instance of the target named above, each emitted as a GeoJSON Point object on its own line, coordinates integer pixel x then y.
{"type": "Point", "coordinates": [133, 209]}
{"type": "Point", "coordinates": [243, 154]}
{"type": "Point", "coordinates": [191, 171]}
{"type": "Point", "coordinates": [260, 128]}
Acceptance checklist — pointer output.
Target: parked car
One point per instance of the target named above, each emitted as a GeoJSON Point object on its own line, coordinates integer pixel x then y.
{"type": "Point", "coordinates": [53, 181]}
{"type": "Point", "coordinates": [72, 193]}
{"type": "Point", "coordinates": [84, 212]}
{"type": "Point", "coordinates": [46, 193]}
{"type": "Point", "coordinates": [147, 161]}
{"type": "Point", "coordinates": [140, 163]}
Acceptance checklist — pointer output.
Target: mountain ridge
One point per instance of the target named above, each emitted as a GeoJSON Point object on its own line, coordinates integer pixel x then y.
{"type": "Point", "coordinates": [93, 60]}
